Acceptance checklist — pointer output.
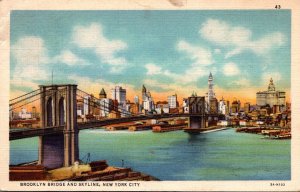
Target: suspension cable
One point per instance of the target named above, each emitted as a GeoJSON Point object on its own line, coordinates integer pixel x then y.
{"type": "Point", "coordinates": [23, 95]}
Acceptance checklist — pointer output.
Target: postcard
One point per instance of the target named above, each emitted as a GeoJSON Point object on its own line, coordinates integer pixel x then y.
{"type": "Point", "coordinates": [178, 95]}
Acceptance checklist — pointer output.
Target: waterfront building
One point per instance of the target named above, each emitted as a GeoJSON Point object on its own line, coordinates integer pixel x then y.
{"type": "Point", "coordinates": [162, 107]}
{"type": "Point", "coordinates": [271, 96]}
{"type": "Point", "coordinates": [172, 101]}
{"type": "Point", "coordinates": [102, 94]}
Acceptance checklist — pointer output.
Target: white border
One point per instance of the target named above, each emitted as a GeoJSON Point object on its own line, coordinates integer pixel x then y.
{"type": "Point", "coordinates": [7, 5]}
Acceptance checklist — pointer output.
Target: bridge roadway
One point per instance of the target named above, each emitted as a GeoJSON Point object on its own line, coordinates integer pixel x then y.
{"type": "Point", "coordinates": [33, 132]}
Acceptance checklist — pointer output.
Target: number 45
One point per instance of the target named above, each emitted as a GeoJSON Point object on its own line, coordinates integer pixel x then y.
{"type": "Point", "coordinates": [277, 6]}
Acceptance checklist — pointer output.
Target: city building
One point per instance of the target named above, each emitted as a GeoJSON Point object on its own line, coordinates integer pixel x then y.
{"type": "Point", "coordinates": [247, 107]}
{"type": "Point", "coordinates": [80, 108]}
{"type": "Point", "coordinates": [133, 108]}
{"type": "Point", "coordinates": [23, 114]}
{"type": "Point", "coordinates": [119, 94]}
{"type": "Point", "coordinates": [210, 94]}
{"type": "Point", "coordinates": [86, 104]}
{"type": "Point", "coordinates": [223, 107]}
{"type": "Point", "coordinates": [172, 101]}
{"type": "Point", "coordinates": [94, 106]}
{"type": "Point", "coordinates": [106, 106]}
{"type": "Point", "coordinates": [33, 112]}
{"type": "Point", "coordinates": [114, 112]}
{"type": "Point", "coordinates": [213, 105]}
{"type": "Point", "coordinates": [162, 107]}
{"type": "Point", "coordinates": [147, 102]}
{"type": "Point", "coordinates": [102, 94]}
{"type": "Point", "coordinates": [136, 99]}
{"type": "Point", "coordinates": [235, 106]}
{"type": "Point", "coordinates": [271, 96]}
{"type": "Point", "coordinates": [211, 101]}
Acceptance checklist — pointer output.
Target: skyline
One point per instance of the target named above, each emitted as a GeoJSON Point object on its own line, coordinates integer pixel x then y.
{"type": "Point", "coordinates": [102, 49]}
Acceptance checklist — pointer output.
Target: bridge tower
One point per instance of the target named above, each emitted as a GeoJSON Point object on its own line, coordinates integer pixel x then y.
{"type": "Point", "coordinates": [197, 114]}
{"type": "Point", "coordinates": [58, 108]}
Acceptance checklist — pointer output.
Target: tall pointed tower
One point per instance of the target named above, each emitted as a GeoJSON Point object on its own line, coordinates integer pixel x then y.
{"type": "Point", "coordinates": [144, 93]}
{"type": "Point", "coordinates": [102, 94]}
{"type": "Point", "coordinates": [210, 94]}
{"type": "Point", "coordinates": [271, 86]}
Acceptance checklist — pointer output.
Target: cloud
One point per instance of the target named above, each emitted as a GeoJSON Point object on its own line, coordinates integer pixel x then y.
{"type": "Point", "coordinates": [241, 83]}
{"type": "Point", "coordinates": [153, 69]}
{"type": "Point", "coordinates": [69, 58]}
{"type": "Point", "coordinates": [217, 51]}
{"type": "Point", "coordinates": [222, 33]}
{"type": "Point", "coordinates": [92, 37]}
{"type": "Point", "coordinates": [239, 38]}
{"type": "Point", "coordinates": [31, 62]}
{"type": "Point", "coordinates": [231, 69]}
{"type": "Point", "coordinates": [200, 56]}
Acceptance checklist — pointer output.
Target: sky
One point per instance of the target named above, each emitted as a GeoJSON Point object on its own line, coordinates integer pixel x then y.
{"type": "Point", "coordinates": [167, 51]}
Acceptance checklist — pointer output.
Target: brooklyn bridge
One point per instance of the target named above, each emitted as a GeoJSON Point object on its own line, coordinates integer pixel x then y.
{"type": "Point", "coordinates": [58, 133]}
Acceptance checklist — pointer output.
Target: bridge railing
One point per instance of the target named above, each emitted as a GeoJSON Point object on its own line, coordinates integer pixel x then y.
{"type": "Point", "coordinates": [26, 133]}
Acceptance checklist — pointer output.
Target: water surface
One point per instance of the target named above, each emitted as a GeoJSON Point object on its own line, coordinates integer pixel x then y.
{"type": "Point", "coordinates": [221, 155]}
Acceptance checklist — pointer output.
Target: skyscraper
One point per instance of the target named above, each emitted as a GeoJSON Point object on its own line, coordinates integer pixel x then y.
{"type": "Point", "coordinates": [211, 101]}
{"type": "Point", "coordinates": [119, 94]}
{"type": "Point", "coordinates": [147, 101]}
{"type": "Point", "coordinates": [210, 94]}
{"type": "Point", "coordinates": [172, 101]}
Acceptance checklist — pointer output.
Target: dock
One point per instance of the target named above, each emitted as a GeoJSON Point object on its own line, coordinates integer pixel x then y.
{"type": "Point", "coordinates": [93, 171]}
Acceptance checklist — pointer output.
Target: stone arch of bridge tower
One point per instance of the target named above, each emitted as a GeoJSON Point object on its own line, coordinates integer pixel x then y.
{"type": "Point", "coordinates": [49, 112]}
{"type": "Point", "coordinates": [61, 111]}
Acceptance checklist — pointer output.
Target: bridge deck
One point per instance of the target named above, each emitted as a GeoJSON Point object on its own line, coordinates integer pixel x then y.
{"type": "Point", "coordinates": [32, 132]}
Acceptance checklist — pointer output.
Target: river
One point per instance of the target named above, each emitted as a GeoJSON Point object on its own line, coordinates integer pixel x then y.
{"type": "Point", "coordinates": [221, 155]}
